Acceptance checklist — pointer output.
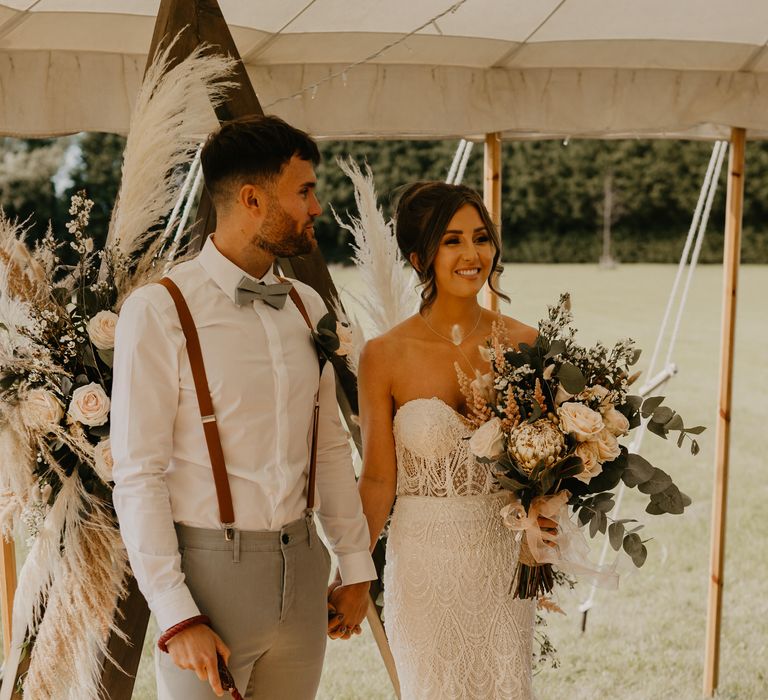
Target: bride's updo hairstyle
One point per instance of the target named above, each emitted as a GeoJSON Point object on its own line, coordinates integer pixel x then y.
{"type": "Point", "coordinates": [424, 210]}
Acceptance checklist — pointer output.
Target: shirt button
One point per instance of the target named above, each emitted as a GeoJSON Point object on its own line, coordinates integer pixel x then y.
{"type": "Point", "coordinates": [286, 539]}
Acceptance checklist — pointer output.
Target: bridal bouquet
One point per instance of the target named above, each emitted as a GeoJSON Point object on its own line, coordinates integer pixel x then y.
{"type": "Point", "coordinates": [548, 420]}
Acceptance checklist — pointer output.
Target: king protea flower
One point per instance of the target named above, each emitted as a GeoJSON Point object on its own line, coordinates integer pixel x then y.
{"type": "Point", "coordinates": [529, 443]}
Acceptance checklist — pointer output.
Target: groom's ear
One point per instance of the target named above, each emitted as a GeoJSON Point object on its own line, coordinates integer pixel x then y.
{"type": "Point", "coordinates": [414, 258]}
{"type": "Point", "coordinates": [253, 199]}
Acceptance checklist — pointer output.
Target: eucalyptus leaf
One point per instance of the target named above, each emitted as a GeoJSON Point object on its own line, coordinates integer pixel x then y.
{"type": "Point", "coordinates": [557, 347]}
{"type": "Point", "coordinates": [634, 401]}
{"type": "Point", "coordinates": [603, 524]}
{"type": "Point", "coordinates": [694, 447]}
{"type": "Point", "coordinates": [635, 357]}
{"type": "Point", "coordinates": [663, 414]}
{"type": "Point", "coordinates": [657, 429]}
{"type": "Point", "coordinates": [650, 405]}
{"type": "Point", "coordinates": [632, 544]}
{"type": "Point", "coordinates": [571, 378]}
{"type": "Point", "coordinates": [106, 356]}
{"type": "Point", "coordinates": [674, 423]}
{"type": "Point", "coordinates": [681, 440]}
{"type": "Point", "coordinates": [639, 557]}
{"type": "Point", "coordinates": [594, 524]}
{"type": "Point", "coordinates": [585, 514]}
{"type": "Point", "coordinates": [653, 508]}
{"type": "Point", "coordinates": [616, 534]}
{"type": "Point", "coordinates": [698, 430]}
{"type": "Point", "coordinates": [638, 470]}
{"type": "Point", "coordinates": [660, 481]}
{"type": "Point", "coordinates": [634, 421]}
{"type": "Point", "coordinates": [670, 500]}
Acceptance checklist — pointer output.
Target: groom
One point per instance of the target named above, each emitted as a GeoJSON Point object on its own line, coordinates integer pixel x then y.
{"type": "Point", "coordinates": [214, 503]}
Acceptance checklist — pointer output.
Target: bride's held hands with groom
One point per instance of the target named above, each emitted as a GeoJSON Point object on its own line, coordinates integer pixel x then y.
{"type": "Point", "coordinates": [347, 608]}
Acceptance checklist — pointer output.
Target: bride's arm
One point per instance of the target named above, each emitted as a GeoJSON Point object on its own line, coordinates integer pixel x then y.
{"type": "Point", "coordinates": [348, 604]}
{"type": "Point", "coordinates": [379, 476]}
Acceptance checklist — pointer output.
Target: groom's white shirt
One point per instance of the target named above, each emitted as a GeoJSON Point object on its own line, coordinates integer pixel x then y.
{"type": "Point", "coordinates": [263, 374]}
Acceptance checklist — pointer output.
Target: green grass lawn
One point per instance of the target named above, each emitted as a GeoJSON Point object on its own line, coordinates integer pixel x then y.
{"type": "Point", "coordinates": [646, 640]}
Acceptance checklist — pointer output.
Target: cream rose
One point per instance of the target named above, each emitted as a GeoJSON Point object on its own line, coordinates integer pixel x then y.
{"type": "Point", "coordinates": [102, 457]}
{"type": "Point", "coordinates": [615, 421]}
{"type": "Point", "coordinates": [589, 454]}
{"type": "Point", "coordinates": [346, 344]}
{"type": "Point", "coordinates": [595, 392]}
{"type": "Point", "coordinates": [89, 405]}
{"type": "Point", "coordinates": [40, 409]}
{"type": "Point", "coordinates": [487, 442]}
{"type": "Point", "coordinates": [607, 445]}
{"type": "Point", "coordinates": [580, 420]}
{"type": "Point", "coordinates": [101, 330]}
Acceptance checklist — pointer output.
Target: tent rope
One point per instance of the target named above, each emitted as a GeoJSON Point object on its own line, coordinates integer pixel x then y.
{"type": "Point", "coordinates": [694, 238]}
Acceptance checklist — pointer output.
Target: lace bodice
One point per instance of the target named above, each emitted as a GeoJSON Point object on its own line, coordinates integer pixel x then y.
{"type": "Point", "coordinates": [433, 457]}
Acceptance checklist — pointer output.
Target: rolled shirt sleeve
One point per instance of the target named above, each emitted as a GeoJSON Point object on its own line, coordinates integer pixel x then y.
{"type": "Point", "coordinates": [145, 394]}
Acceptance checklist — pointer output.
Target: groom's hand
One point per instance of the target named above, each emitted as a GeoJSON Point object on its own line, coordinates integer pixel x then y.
{"type": "Point", "coordinates": [195, 649]}
{"type": "Point", "coordinates": [351, 603]}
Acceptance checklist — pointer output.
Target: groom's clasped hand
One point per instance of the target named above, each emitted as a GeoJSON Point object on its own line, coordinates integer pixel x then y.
{"type": "Point", "coordinates": [347, 607]}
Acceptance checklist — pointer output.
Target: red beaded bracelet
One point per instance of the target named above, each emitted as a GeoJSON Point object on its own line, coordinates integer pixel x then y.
{"type": "Point", "coordinates": [171, 632]}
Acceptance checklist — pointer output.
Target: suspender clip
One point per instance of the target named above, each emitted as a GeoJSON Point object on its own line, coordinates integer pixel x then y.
{"type": "Point", "coordinates": [229, 531]}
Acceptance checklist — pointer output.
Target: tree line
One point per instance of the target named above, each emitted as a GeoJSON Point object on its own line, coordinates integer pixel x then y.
{"type": "Point", "coordinates": [553, 193]}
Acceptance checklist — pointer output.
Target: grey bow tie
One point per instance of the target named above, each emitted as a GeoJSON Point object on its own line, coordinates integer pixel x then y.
{"type": "Point", "coordinates": [273, 294]}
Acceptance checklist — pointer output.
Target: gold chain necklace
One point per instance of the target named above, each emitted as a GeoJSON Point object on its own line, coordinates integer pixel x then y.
{"type": "Point", "coordinates": [453, 342]}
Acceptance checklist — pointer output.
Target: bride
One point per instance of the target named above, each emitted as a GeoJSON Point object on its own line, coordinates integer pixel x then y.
{"type": "Point", "coordinates": [454, 628]}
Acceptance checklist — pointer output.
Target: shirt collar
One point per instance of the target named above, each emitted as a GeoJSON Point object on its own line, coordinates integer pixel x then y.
{"type": "Point", "coordinates": [224, 272]}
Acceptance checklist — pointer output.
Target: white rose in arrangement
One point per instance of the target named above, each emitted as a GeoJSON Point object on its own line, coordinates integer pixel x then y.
{"type": "Point", "coordinates": [101, 330]}
{"type": "Point", "coordinates": [89, 405]}
{"type": "Point", "coordinates": [344, 334]}
{"type": "Point", "coordinates": [102, 457]}
{"type": "Point", "coordinates": [595, 392]}
{"type": "Point", "coordinates": [607, 445]}
{"type": "Point", "coordinates": [487, 442]}
{"type": "Point", "coordinates": [580, 420]}
{"type": "Point", "coordinates": [615, 421]}
{"type": "Point", "coordinates": [40, 409]}
{"type": "Point", "coordinates": [589, 454]}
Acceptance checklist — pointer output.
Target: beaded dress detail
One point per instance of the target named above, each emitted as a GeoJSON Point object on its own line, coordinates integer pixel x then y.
{"type": "Point", "coordinates": [455, 630]}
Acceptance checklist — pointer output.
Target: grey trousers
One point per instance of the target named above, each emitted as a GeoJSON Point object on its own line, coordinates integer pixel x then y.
{"type": "Point", "coordinates": [265, 593]}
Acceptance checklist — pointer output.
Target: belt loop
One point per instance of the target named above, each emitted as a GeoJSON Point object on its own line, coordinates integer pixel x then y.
{"type": "Point", "coordinates": [236, 548]}
{"type": "Point", "coordinates": [308, 519]}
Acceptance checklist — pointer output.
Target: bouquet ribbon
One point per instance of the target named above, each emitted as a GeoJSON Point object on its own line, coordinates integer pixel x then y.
{"type": "Point", "coordinates": [570, 550]}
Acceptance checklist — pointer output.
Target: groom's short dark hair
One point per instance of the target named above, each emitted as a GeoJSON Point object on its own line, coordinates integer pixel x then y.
{"type": "Point", "coordinates": [254, 150]}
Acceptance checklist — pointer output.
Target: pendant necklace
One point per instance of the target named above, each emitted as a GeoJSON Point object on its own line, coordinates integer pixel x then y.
{"type": "Point", "coordinates": [458, 339]}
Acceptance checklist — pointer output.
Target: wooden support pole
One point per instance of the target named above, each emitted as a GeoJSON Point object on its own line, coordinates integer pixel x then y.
{"type": "Point", "coordinates": [7, 590]}
{"type": "Point", "coordinates": [492, 195]}
{"type": "Point", "coordinates": [731, 258]}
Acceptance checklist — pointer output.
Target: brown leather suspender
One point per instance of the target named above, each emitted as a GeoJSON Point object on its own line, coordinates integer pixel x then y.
{"type": "Point", "coordinates": [210, 427]}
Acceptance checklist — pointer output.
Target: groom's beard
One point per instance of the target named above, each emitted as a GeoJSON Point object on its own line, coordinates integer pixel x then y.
{"type": "Point", "coordinates": [283, 236]}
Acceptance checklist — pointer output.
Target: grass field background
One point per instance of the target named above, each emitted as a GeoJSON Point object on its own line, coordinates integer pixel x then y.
{"type": "Point", "coordinates": [646, 640]}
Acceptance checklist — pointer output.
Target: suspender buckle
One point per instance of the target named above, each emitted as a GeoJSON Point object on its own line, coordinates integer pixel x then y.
{"type": "Point", "coordinates": [208, 419]}
{"type": "Point", "coordinates": [229, 531]}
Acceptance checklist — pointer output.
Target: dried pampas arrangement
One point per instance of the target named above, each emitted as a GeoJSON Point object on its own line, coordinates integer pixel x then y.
{"type": "Point", "coordinates": [51, 480]}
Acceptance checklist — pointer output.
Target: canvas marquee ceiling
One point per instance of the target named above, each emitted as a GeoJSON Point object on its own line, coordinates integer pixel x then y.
{"type": "Point", "coordinates": [527, 68]}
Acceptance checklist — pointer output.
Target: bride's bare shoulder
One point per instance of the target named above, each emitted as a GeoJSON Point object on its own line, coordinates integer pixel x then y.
{"type": "Point", "coordinates": [518, 331]}
{"type": "Point", "coordinates": [384, 350]}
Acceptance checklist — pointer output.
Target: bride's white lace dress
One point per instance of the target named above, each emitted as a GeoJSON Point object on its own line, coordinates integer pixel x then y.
{"type": "Point", "coordinates": [454, 628]}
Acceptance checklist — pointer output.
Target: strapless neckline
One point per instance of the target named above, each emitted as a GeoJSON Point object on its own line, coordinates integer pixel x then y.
{"type": "Point", "coordinates": [434, 399]}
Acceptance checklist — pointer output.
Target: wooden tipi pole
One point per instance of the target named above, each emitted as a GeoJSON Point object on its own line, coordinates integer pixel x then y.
{"type": "Point", "coordinates": [731, 258]}
{"type": "Point", "coordinates": [7, 590]}
{"type": "Point", "coordinates": [492, 195]}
